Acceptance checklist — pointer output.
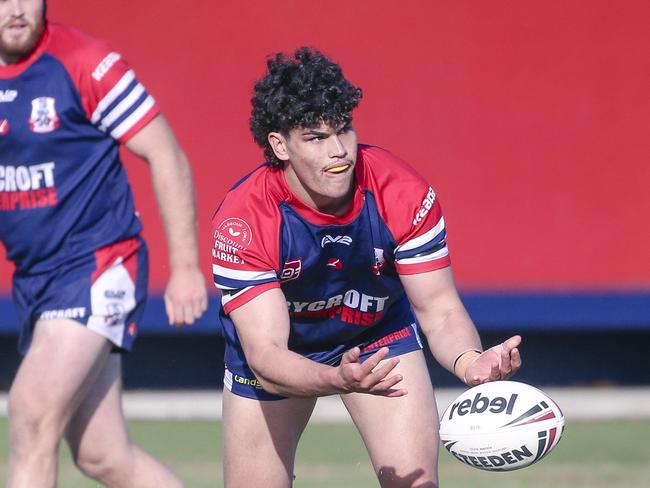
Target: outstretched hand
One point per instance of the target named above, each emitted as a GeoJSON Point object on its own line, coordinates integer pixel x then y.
{"type": "Point", "coordinates": [367, 377]}
{"type": "Point", "coordinates": [497, 363]}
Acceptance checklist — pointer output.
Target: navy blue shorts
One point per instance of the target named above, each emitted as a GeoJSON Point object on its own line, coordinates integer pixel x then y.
{"type": "Point", "coordinates": [242, 381]}
{"type": "Point", "coordinates": [105, 291]}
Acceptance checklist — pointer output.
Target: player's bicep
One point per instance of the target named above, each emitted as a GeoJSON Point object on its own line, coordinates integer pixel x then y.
{"type": "Point", "coordinates": [432, 292]}
{"type": "Point", "coordinates": [155, 137]}
{"type": "Point", "coordinates": [262, 325]}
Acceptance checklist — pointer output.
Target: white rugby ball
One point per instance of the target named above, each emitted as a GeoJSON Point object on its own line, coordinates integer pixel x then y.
{"type": "Point", "coordinates": [501, 426]}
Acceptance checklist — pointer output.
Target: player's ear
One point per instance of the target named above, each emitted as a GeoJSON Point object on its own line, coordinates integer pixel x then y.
{"type": "Point", "coordinates": [279, 145]}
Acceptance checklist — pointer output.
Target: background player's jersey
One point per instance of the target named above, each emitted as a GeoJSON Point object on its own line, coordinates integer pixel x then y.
{"type": "Point", "coordinates": [63, 112]}
{"type": "Point", "coordinates": [339, 274]}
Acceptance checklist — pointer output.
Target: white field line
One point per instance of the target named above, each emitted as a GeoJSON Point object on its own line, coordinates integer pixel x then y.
{"type": "Point", "coordinates": [576, 403]}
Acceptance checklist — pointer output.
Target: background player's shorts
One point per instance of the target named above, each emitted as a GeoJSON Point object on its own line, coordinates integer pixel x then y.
{"type": "Point", "coordinates": [105, 291]}
{"type": "Point", "coordinates": [242, 382]}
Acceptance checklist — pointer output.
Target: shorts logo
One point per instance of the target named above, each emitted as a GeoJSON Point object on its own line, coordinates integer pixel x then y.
{"type": "Point", "coordinates": [64, 313]}
{"type": "Point", "coordinates": [328, 239]}
{"type": "Point", "coordinates": [291, 270]}
{"type": "Point", "coordinates": [115, 294]}
{"type": "Point", "coordinates": [114, 314]}
{"type": "Point", "coordinates": [44, 118]}
{"type": "Point", "coordinates": [242, 380]}
{"type": "Point", "coordinates": [235, 232]}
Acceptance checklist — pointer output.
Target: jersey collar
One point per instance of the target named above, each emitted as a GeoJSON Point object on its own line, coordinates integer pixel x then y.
{"type": "Point", "coordinates": [319, 218]}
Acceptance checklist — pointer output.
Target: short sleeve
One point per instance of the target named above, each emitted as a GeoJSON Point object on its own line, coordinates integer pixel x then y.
{"type": "Point", "coordinates": [112, 98]}
{"type": "Point", "coordinates": [411, 210]}
{"type": "Point", "coordinates": [245, 250]}
{"type": "Point", "coordinates": [424, 246]}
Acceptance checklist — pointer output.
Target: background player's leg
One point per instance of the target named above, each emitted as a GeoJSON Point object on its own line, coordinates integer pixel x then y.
{"type": "Point", "coordinates": [63, 361]}
{"type": "Point", "coordinates": [260, 440]}
{"type": "Point", "coordinates": [401, 433]}
{"type": "Point", "coordinates": [99, 441]}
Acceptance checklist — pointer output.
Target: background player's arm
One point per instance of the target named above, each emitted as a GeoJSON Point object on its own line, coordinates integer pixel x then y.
{"type": "Point", "coordinates": [185, 296]}
{"type": "Point", "coordinates": [451, 334]}
{"type": "Point", "coordinates": [263, 328]}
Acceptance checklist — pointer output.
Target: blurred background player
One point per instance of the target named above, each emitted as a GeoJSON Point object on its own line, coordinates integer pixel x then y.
{"type": "Point", "coordinates": [68, 223]}
{"type": "Point", "coordinates": [331, 258]}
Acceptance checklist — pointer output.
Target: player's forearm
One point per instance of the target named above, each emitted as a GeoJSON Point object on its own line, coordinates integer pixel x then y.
{"type": "Point", "coordinates": [172, 182]}
{"type": "Point", "coordinates": [452, 335]}
{"type": "Point", "coordinates": [283, 372]}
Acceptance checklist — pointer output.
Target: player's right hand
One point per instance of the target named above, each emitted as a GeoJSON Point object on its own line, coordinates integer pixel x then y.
{"type": "Point", "coordinates": [369, 376]}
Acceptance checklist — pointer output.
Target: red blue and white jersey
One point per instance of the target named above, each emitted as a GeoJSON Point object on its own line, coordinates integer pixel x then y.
{"type": "Point", "coordinates": [339, 274]}
{"type": "Point", "coordinates": [64, 111]}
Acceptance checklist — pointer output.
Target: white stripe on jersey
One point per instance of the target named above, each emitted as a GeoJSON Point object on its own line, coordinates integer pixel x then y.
{"type": "Point", "coordinates": [122, 107]}
{"type": "Point", "coordinates": [110, 97]}
{"type": "Point", "coordinates": [242, 275]}
{"type": "Point", "coordinates": [424, 238]}
{"type": "Point", "coordinates": [226, 298]}
{"type": "Point", "coordinates": [224, 287]}
{"type": "Point", "coordinates": [134, 118]}
{"type": "Point", "coordinates": [441, 253]}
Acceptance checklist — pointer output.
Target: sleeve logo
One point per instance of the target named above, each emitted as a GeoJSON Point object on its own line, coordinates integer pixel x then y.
{"type": "Point", "coordinates": [230, 238]}
{"type": "Point", "coordinates": [426, 205]}
{"type": "Point", "coordinates": [105, 64]}
{"type": "Point", "coordinates": [236, 232]}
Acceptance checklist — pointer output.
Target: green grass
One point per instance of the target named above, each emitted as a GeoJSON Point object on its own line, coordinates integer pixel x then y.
{"type": "Point", "coordinates": [593, 455]}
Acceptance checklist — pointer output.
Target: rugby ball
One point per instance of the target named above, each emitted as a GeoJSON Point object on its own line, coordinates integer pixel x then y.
{"type": "Point", "coordinates": [501, 426]}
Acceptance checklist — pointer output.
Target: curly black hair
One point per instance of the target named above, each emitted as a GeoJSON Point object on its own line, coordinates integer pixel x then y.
{"type": "Point", "coordinates": [302, 91]}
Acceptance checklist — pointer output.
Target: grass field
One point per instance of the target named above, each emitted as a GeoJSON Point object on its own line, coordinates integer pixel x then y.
{"type": "Point", "coordinates": [593, 455]}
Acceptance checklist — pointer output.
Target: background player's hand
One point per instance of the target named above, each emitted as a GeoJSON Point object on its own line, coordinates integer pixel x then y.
{"type": "Point", "coordinates": [497, 363]}
{"type": "Point", "coordinates": [369, 376]}
{"type": "Point", "coordinates": [186, 297]}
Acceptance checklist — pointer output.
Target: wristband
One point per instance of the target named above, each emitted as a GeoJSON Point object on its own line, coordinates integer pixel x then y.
{"type": "Point", "coordinates": [463, 360]}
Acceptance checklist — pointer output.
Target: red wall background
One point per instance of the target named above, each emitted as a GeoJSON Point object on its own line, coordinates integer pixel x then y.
{"type": "Point", "coordinates": [530, 118]}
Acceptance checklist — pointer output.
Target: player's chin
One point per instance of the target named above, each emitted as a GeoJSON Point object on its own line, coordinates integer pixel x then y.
{"type": "Point", "coordinates": [18, 48]}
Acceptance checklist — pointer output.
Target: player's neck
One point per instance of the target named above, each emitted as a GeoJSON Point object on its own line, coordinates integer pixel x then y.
{"type": "Point", "coordinates": [327, 205]}
{"type": "Point", "coordinates": [335, 206]}
{"type": "Point", "coordinates": [322, 203]}
{"type": "Point", "coordinates": [7, 59]}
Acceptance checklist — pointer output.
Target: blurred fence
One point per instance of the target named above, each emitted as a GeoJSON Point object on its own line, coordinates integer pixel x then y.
{"type": "Point", "coordinates": [576, 339]}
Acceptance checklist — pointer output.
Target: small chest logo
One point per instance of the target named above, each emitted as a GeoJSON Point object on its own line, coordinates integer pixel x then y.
{"type": "Point", "coordinates": [335, 263]}
{"type": "Point", "coordinates": [4, 127]}
{"type": "Point", "coordinates": [291, 270]}
{"type": "Point", "coordinates": [328, 239]}
{"type": "Point", "coordinates": [44, 118]}
{"type": "Point", "coordinates": [380, 262]}
{"type": "Point", "coordinates": [8, 95]}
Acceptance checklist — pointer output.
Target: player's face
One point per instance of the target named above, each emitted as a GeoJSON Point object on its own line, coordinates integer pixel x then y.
{"type": "Point", "coordinates": [320, 164]}
{"type": "Point", "coordinates": [21, 25]}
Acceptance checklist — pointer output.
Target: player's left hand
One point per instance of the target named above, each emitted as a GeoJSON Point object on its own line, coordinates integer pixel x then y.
{"type": "Point", "coordinates": [497, 363]}
{"type": "Point", "coordinates": [186, 297]}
